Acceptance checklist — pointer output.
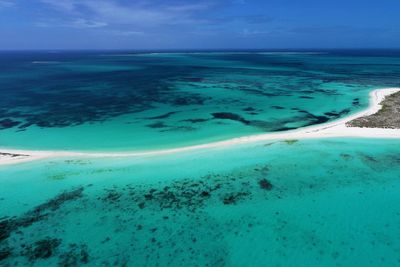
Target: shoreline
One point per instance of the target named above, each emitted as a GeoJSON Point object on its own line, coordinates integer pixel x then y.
{"type": "Point", "coordinates": [336, 128]}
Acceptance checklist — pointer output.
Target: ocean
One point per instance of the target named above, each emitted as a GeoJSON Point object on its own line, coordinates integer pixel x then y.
{"type": "Point", "coordinates": [314, 202]}
{"type": "Point", "coordinates": [144, 101]}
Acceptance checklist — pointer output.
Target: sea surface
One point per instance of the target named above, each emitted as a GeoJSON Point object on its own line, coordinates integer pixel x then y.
{"type": "Point", "coordinates": [141, 101]}
{"type": "Point", "coordinates": [330, 202]}
{"type": "Point", "coordinates": [315, 202]}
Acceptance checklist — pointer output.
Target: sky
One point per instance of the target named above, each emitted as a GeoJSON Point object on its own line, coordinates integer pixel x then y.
{"type": "Point", "coordinates": [208, 24]}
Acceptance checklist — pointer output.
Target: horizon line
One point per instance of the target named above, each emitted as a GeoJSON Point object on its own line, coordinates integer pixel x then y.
{"type": "Point", "coordinates": [315, 49]}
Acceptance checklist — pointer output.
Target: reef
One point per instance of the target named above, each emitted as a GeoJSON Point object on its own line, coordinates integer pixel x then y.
{"type": "Point", "coordinates": [234, 197]}
{"type": "Point", "coordinates": [180, 202]}
{"type": "Point", "coordinates": [249, 109]}
{"type": "Point", "coordinates": [230, 116]}
{"type": "Point", "coordinates": [277, 107]}
{"type": "Point", "coordinates": [8, 123]}
{"type": "Point", "coordinates": [195, 120]}
{"type": "Point", "coordinates": [356, 102]}
{"type": "Point", "coordinates": [76, 255]}
{"type": "Point", "coordinates": [42, 249]}
{"type": "Point", "coordinates": [163, 116]}
{"type": "Point", "coordinates": [192, 79]}
{"type": "Point", "coordinates": [172, 221]}
{"type": "Point", "coordinates": [190, 100]}
{"type": "Point", "coordinates": [5, 253]}
{"type": "Point", "coordinates": [157, 125]}
{"type": "Point", "coordinates": [10, 225]}
{"type": "Point", "coordinates": [50, 104]}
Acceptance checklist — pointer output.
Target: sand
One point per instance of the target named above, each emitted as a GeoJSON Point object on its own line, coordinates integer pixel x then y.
{"type": "Point", "coordinates": [336, 128]}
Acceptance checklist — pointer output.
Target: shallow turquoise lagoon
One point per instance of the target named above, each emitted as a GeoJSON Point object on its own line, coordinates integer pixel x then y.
{"type": "Point", "coordinates": [328, 202]}
{"type": "Point", "coordinates": [144, 101]}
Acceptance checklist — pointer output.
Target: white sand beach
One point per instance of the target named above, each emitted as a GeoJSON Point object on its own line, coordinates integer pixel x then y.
{"type": "Point", "coordinates": [336, 128]}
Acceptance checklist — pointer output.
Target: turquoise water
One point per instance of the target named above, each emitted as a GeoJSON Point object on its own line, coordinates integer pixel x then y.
{"type": "Point", "coordinates": [322, 202]}
{"type": "Point", "coordinates": [328, 202]}
{"type": "Point", "coordinates": [126, 100]}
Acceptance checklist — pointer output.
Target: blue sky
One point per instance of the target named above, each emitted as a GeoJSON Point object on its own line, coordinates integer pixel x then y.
{"type": "Point", "coordinates": [178, 24]}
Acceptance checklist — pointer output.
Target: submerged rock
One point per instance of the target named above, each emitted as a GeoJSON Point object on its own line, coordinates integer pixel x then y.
{"type": "Point", "coordinates": [265, 184]}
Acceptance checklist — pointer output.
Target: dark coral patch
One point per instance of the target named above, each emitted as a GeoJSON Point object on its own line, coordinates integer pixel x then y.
{"type": "Point", "coordinates": [157, 125]}
{"type": "Point", "coordinates": [8, 123]}
{"type": "Point", "coordinates": [265, 184]}
{"type": "Point", "coordinates": [163, 116]}
{"type": "Point", "coordinates": [42, 249]}
{"type": "Point", "coordinates": [230, 116]}
{"type": "Point", "coordinates": [5, 253]}
{"type": "Point", "coordinates": [356, 102]}
{"type": "Point", "coordinates": [277, 107]}
{"type": "Point", "coordinates": [195, 120]}
{"type": "Point", "coordinates": [334, 114]}
{"type": "Point", "coordinates": [75, 256]}
{"type": "Point", "coordinates": [248, 109]}
{"type": "Point", "coordinates": [233, 198]}
{"type": "Point", "coordinates": [192, 100]}
{"type": "Point", "coordinates": [39, 213]}
{"type": "Point", "coordinates": [192, 79]}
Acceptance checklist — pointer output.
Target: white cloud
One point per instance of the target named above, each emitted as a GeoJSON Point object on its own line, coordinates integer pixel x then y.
{"type": "Point", "coordinates": [5, 4]}
{"type": "Point", "coordinates": [191, 7]}
{"type": "Point", "coordinates": [116, 13]}
{"type": "Point", "coordinates": [78, 23]}
{"type": "Point", "coordinates": [84, 23]}
{"type": "Point", "coordinates": [128, 33]}
{"type": "Point", "coordinates": [138, 13]}
{"type": "Point", "coordinates": [64, 5]}
{"type": "Point", "coordinates": [247, 32]}
{"type": "Point", "coordinates": [239, 2]}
